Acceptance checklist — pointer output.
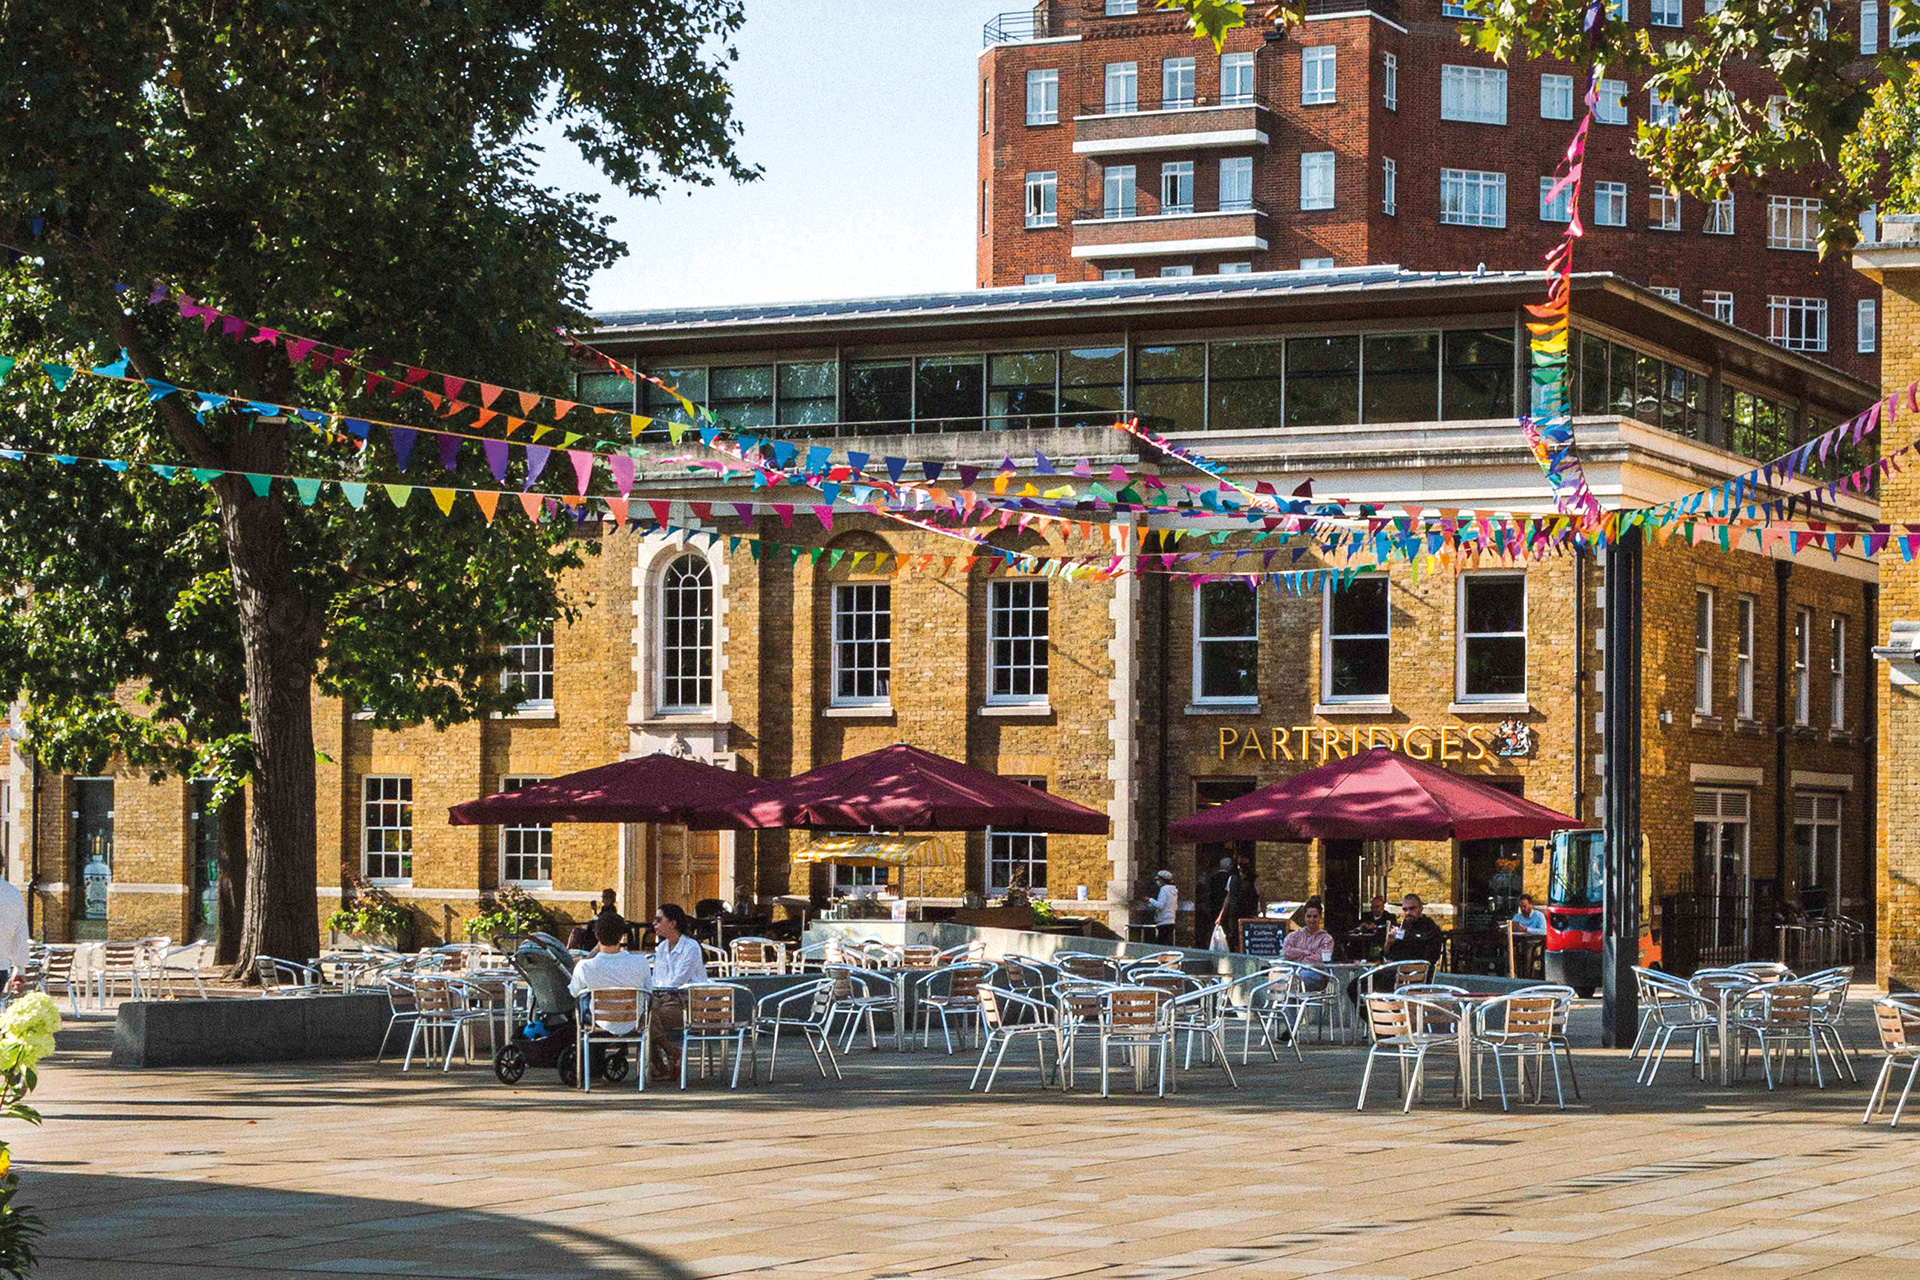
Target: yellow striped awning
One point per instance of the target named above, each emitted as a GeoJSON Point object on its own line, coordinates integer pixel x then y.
{"type": "Point", "coordinates": [882, 851]}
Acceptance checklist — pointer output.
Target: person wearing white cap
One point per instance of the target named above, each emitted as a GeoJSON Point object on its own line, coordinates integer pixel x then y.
{"type": "Point", "coordinates": [1166, 906]}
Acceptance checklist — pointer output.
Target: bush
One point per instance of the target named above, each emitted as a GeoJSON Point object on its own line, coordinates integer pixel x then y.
{"type": "Point", "coordinates": [368, 911]}
{"type": "Point", "coordinates": [511, 912]}
{"type": "Point", "coordinates": [26, 1036]}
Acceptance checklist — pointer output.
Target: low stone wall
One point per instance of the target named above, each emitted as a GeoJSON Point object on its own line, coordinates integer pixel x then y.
{"type": "Point", "coordinates": [203, 1033]}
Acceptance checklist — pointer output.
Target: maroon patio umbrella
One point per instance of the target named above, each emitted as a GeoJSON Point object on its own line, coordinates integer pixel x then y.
{"type": "Point", "coordinates": [1378, 795]}
{"type": "Point", "coordinates": [902, 788]}
{"type": "Point", "coordinates": [655, 788]}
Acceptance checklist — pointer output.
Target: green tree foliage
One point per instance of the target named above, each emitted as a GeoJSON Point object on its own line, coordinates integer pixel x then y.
{"type": "Point", "coordinates": [362, 174]}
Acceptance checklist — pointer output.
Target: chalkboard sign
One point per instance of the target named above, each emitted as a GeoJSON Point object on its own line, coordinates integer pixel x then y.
{"type": "Point", "coordinates": [1259, 937]}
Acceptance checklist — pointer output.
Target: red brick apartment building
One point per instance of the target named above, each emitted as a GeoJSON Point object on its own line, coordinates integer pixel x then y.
{"type": "Point", "coordinates": [1114, 144]}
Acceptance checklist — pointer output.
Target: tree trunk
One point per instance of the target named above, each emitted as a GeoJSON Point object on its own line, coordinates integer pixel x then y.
{"type": "Point", "coordinates": [233, 878]}
{"type": "Point", "coordinates": [281, 640]}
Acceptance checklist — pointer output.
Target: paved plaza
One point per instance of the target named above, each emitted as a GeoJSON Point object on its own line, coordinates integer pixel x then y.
{"type": "Point", "coordinates": [356, 1170]}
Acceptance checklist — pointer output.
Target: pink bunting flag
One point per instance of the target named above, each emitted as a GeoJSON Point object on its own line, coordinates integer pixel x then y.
{"type": "Point", "coordinates": [582, 469]}
{"type": "Point", "coordinates": [453, 384]}
{"type": "Point", "coordinates": [233, 328]}
{"type": "Point", "coordinates": [297, 349]}
{"type": "Point", "coordinates": [530, 503]}
{"type": "Point", "coordinates": [622, 468]}
{"type": "Point", "coordinates": [825, 516]}
{"type": "Point", "coordinates": [785, 512]}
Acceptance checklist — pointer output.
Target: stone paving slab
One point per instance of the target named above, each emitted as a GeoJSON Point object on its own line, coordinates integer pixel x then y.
{"type": "Point", "coordinates": [355, 1170]}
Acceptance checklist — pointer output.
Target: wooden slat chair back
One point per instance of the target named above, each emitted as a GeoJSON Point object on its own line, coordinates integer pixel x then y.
{"type": "Point", "coordinates": [1082, 965]}
{"type": "Point", "coordinates": [1135, 1008]}
{"type": "Point", "coordinates": [710, 1008]}
{"type": "Point", "coordinates": [1389, 1018]}
{"type": "Point", "coordinates": [756, 956]}
{"type": "Point", "coordinates": [920, 957]}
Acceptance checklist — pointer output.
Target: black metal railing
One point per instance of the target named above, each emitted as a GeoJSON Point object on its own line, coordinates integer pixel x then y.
{"type": "Point", "coordinates": [1102, 106]}
{"type": "Point", "coordinates": [1147, 206]}
{"type": "Point", "coordinates": [1021, 24]}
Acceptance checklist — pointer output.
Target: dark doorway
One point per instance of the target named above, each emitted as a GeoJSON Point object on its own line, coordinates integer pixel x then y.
{"type": "Point", "coordinates": [91, 818]}
{"type": "Point", "coordinates": [1343, 904]}
{"type": "Point", "coordinates": [1209, 883]}
{"type": "Point", "coordinates": [206, 861]}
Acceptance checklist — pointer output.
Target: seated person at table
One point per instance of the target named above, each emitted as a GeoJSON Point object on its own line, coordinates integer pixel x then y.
{"type": "Point", "coordinates": [611, 967]}
{"type": "Point", "coordinates": [1416, 937]}
{"type": "Point", "coordinates": [677, 963]}
{"type": "Point", "coordinates": [1529, 918]}
{"type": "Point", "coordinates": [1373, 925]}
{"type": "Point", "coordinates": [1309, 944]}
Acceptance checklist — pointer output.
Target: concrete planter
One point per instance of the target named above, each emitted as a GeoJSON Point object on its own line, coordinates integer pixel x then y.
{"type": "Point", "coordinates": [401, 940]}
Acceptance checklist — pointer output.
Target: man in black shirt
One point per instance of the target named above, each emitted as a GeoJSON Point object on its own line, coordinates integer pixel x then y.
{"type": "Point", "coordinates": [1416, 937]}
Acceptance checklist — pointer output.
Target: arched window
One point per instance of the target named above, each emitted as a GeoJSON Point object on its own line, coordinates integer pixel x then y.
{"type": "Point", "coordinates": [686, 636]}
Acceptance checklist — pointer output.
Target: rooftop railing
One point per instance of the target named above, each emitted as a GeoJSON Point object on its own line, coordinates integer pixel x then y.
{"type": "Point", "coordinates": [1011, 28]}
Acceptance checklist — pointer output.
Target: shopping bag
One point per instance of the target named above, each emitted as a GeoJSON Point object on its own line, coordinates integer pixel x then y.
{"type": "Point", "coordinates": [1219, 942]}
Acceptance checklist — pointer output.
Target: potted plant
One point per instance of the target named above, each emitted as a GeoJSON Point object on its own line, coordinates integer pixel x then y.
{"type": "Point", "coordinates": [508, 916]}
{"type": "Point", "coordinates": [370, 916]}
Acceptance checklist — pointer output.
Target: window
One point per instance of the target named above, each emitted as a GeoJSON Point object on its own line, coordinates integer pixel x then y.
{"type": "Point", "coordinates": [1121, 8]}
{"type": "Point", "coordinates": [1020, 384]}
{"type": "Point", "coordinates": [862, 643]}
{"type": "Point", "coordinates": [386, 829]}
{"type": "Point", "coordinates": [1610, 204]}
{"type": "Point", "coordinates": [1493, 637]}
{"type": "Point", "coordinates": [1473, 197]}
{"type": "Point", "coordinates": [1869, 26]}
{"type": "Point", "coordinates": [808, 393]}
{"type": "Point", "coordinates": [880, 391]}
{"type": "Point", "coordinates": [1720, 847]}
{"type": "Point", "coordinates": [1390, 83]}
{"type": "Point", "coordinates": [1117, 273]}
{"type": "Point", "coordinates": [1176, 186]}
{"type": "Point", "coordinates": [1869, 224]}
{"type": "Point", "coordinates": [1243, 385]}
{"type": "Point", "coordinates": [526, 852]}
{"type": "Point", "coordinates": [605, 391]}
{"type": "Point", "coordinates": [1316, 180]}
{"type": "Point", "coordinates": [1236, 268]}
{"type": "Point", "coordinates": [1354, 662]}
{"type": "Point", "coordinates": [1666, 291]}
{"type": "Point", "coordinates": [1793, 222]}
{"type": "Point", "coordinates": [1475, 94]}
{"type": "Point", "coordinates": [1170, 386]}
{"type": "Point", "coordinates": [1837, 673]}
{"type": "Point", "coordinates": [1798, 324]}
{"type": "Point", "coordinates": [1185, 269]}
{"type": "Point", "coordinates": [1743, 661]}
{"type": "Point", "coordinates": [1236, 79]}
{"type": "Point", "coordinates": [1389, 187]}
{"type": "Point", "coordinates": [1040, 277]}
{"type": "Point", "coordinates": [1702, 652]}
{"type": "Point", "coordinates": [1123, 87]}
{"type": "Point", "coordinates": [1866, 326]}
{"type": "Point", "coordinates": [1663, 209]}
{"type": "Point", "coordinates": [1236, 184]}
{"type": "Point", "coordinates": [743, 396]}
{"type": "Point", "coordinates": [1017, 640]}
{"type": "Point", "coordinates": [1316, 264]}
{"type": "Point", "coordinates": [1661, 110]}
{"type": "Point", "coordinates": [1720, 216]}
{"type": "Point", "coordinates": [986, 105]}
{"type": "Point", "coordinates": [1121, 199]}
{"type": "Point", "coordinates": [1611, 106]}
{"type": "Point", "coordinates": [530, 666]}
{"type": "Point", "coordinates": [1323, 381]}
{"type": "Point", "coordinates": [1043, 96]}
{"type": "Point", "coordinates": [1816, 846]}
{"type": "Point", "coordinates": [1802, 691]}
{"type": "Point", "coordinates": [1664, 13]}
{"type": "Point", "coordinates": [1556, 97]}
{"type": "Point", "coordinates": [1042, 192]}
{"type": "Point", "coordinates": [1718, 303]}
{"type": "Point", "coordinates": [1176, 83]}
{"type": "Point", "coordinates": [1316, 74]}
{"type": "Point", "coordinates": [1017, 856]}
{"type": "Point", "coordinates": [1402, 377]}
{"type": "Point", "coordinates": [686, 636]}
{"type": "Point", "coordinates": [1226, 644]}
{"type": "Point", "coordinates": [658, 402]}
{"type": "Point", "coordinates": [984, 206]}
{"type": "Point", "coordinates": [1555, 206]}
{"type": "Point", "coordinates": [948, 393]}
{"type": "Point", "coordinates": [1476, 374]}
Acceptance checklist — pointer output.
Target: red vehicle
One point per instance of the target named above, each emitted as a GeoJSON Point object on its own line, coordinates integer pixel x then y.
{"type": "Point", "coordinates": [1576, 898]}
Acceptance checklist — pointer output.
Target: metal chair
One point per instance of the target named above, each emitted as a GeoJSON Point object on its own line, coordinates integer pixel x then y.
{"type": "Point", "coordinates": [59, 971]}
{"type": "Point", "coordinates": [1135, 1018]}
{"type": "Point", "coordinates": [616, 1005]}
{"type": "Point", "coordinates": [715, 1020]}
{"type": "Point", "coordinates": [952, 992]}
{"type": "Point", "coordinates": [119, 962]}
{"type": "Point", "coordinates": [756, 956]}
{"type": "Point", "coordinates": [1081, 964]}
{"type": "Point", "coordinates": [1040, 1027]}
{"type": "Point", "coordinates": [403, 1007]}
{"type": "Point", "coordinates": [920, 957]}
{"type": "Point", "coordinates": [443, 1007]}
{"type": "Point", "coordinates": [1078, 1011]}
{"type": "Point", "coordinates": [286, 977]}
{"type": "Point", "coordinates": [1783, 1018]}
{"type": "Point", "coordinates": [859, 994]}
{"type": "Point", "coordinates": [1532, 1028]}
{"type": "Point", "coordinates": [1897, 1018]}
{"type": "Point", "coordinates": [807, 1009]}
{"type": "Point", "coordinates": [1679, 1010]}
{"type": "Point", "coordinates": [1761, 970]}
{"type": "Point", "coordinates": [1398, 1025]}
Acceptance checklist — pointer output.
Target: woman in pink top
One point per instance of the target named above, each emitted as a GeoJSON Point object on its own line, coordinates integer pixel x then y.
{"type": "Point", "coordinates": [1310, 943]}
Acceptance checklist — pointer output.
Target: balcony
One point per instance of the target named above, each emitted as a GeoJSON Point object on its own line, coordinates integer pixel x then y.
{"type": "Point", "coordinates": [1193, 124]}
{"type": "Point", "coordinates": [1112, 233]}
{"type": "Point", "coordinates": [1016, 27]}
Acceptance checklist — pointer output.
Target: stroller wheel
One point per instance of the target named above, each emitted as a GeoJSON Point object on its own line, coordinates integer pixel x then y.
{"type": "Point", "coordinates": [615, 1068]}
{"type": "Point", "coordinates": [568, 1066]}
{"type": "Point", "coordinates": [510, 1064]}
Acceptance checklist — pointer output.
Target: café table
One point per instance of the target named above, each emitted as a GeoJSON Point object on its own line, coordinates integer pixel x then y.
{"type": "Point", "coordinates": [1464, 1007]}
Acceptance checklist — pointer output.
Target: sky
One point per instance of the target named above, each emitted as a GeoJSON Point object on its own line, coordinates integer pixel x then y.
{"type": "Point", "coordinates": [860, 114]}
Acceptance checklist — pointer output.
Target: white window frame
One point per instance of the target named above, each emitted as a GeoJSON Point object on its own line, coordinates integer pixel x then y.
{"type": "Point", "coordinates": [1236, 269]}
{"type": "Point", "coordinates": [1663, 209]}
{"type": "Point", "coordinates": [1237, 195]}
{"type": "Point", "coordinates": [1666, 291]}
{"type": "Point", "coordinates": [1117, 273]}
{"type": "Point", "coordinates": [1319, 71]}
{"type": "Point", "coordinates": [1743, 659]}
{"type": "Point", "coordinates": [1328, 640]}
{"type": "Point", "coordinates": [1473, 95]}
{"type": "Point", "coordinates": [1869, 26]}
{"type": "Point", "coordinates": [1179, 86]}
{"type": "Point", "coordinates": [1485, 186]}
{"type": "Point", "coordinates": [1043, 198]}
{"type": "Point", "coordinates": [1703, 651]}
{"type": "Point", "coordinates": [514, 835]}
{"type": "Point", "coordinates": [1118, 181]}
{"type": "Point", "coordinates": [1177, 270]}
{"type": "Point", "coordinates": [373, 792]}
{"type": "Point", "coordinates": [1718, 303]}
{"type": "Point", "coordinates": [1556, 97]}
{"type": "Point", "coordinates": [1465, 638]}
{"type": "Point", "coordinates": [1719, 220]}
{"type": "Point", "coordinates": [1869, 224]}
{"type": "Point", "coordinates": [1802, 687]}
{"type": "Point", "coordinates": [1798, 324]}
{"type": "Point", "coordinates": [1121, 8]}
{"type": "Point", "coordinates": [1002, 610]}
{"type": "Point", "coordinates": [1122, 88]}
{"type": "Point", "coordinates": [1807, 806]}
{"type": "Point", "coordinates": [673, 593]}
{"type": "Point", "coordinates": [1390, 82]}
{"type": "Point", "coordinates": [1662, 111]}
{"type": "Point", "coordinates": [1560, 209]}
{"type": "Point", "coordinates": [1316, 264]}
{"type": "Point", "coordinates": [1032, 851]}
{"type": "Point", "coordinates": [1200, 643]}
{"type": "Point", "coordinates": [1043, 107]}
{"type": "Point", "coordinates": [1316, 179]}
{"type": "Point", "coordinates": [1175, 174]}
{"type": "Point", "coordinates": [1664, 13]}
{"type": "Point", "coordinates": [1389, 187]}
{"type": "Point", "coordinates": [850, 600]}
{"type": "Point", "coordinates": [1793, 223]}
{"type": "Point", "coordinates": [1610, 107]}
{"type": "Point", "coordinates": [530, 665]}
{"type": "Point", "coordinates": [1609, 204]}
{"type": "Point", "coordinates": [1866, 326]}
{"type": "Point", "coordinates": [1837, 673]}
{"type": "Point", "coordinates": [1041, 277]}
{"type": "Point", "coordinates": [1236, 80]}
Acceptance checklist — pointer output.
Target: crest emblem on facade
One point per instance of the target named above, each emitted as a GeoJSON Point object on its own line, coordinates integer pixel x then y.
{"type": "Point", "coordinates": [1513, 739]}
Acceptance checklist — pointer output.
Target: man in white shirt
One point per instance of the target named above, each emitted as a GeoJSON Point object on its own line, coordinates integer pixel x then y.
{"type": "Point", "coordinates": [1166, 907]}
{"type": "Point", "coordinates": [610, 967]}
{"type": "Point", "coordinates": [14, 939]}
{"type": "Point", "coordinates": [677, 964]}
